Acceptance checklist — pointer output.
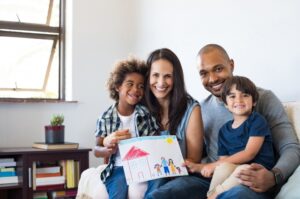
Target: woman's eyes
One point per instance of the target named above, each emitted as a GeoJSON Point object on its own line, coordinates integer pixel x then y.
{"type": "Point", "coordinates": [155, 75]}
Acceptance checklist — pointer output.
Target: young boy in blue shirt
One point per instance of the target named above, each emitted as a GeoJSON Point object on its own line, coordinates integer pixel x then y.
{"type": "Point", "coordinates": [243, 140]}
{"type": "Point", "coordinates": [124, 119]}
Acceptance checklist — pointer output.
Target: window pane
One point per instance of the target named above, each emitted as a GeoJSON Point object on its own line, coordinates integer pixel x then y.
{"type": "Point", "coordinates": [30, 11]}
{"type": "Point", "coordinates": [30, 62]}
{"type": "Point", "coordinates": [25, 66]}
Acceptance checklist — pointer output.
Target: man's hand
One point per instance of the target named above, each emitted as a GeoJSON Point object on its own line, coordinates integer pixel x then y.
{"type": "Point", "coordinates": [113, 139]}
{"type": "Point", "coordinates": [257, 178]}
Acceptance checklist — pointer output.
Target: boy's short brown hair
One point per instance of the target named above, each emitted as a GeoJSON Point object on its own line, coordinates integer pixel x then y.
{"type": "Point", "coordinates": [243, 84]}
{"type": "Point", "coordinates": [121, 69]}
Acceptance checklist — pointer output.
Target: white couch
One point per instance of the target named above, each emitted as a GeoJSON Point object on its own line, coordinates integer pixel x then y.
{"type": "Point", "coordinates": [91, 187]}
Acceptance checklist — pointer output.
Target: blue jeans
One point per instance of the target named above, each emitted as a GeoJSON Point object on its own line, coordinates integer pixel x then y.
{"type": "Point", "coordinates": [243, 192]}
{"type": "Point", "coordinates": [116, 185]}
{"type": "Point", "coordinates": [186, 187]}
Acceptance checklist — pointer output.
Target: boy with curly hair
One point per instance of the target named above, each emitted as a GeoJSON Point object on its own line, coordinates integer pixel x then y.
{"type": "Point", "coordinates": [126, 118]}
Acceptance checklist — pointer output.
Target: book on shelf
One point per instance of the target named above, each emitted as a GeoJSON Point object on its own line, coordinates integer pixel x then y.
{"type": "Point", "coordinates": [50, 180]}
{"type": "Point", "coordinates": [50, 187]}
{"type": "Point", "coordinates": [44, 175]}
{"type": "Point", "coordinates": [9, 179]}
{"type": "Point", "coordinates": [40, 195]}
{"type": "Point", "coordinates": [7, 173]}
{"type": "Point", "coordinates": [64, 194]}
{"type": "Point", "coordinates": [70, 170]}
{"type": "Point", "coordinates": [52, 169]}
{"type": "Point", "coordinates": [7, 160]}
{"type": "Point", "coordinates": [8, 164]}
{"type": "Point", "coordinates": [66, 145]}
{"type": "Point", "coordinates": [11, 169]}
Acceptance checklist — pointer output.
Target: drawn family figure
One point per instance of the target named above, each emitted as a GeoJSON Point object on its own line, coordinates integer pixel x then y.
{"type": "Point", "coordinates": [178, 169]}
{"type": "Point", "coordinates": [157, 167]}
{"type": "Point", "coordinates": [165, 165]}
{"type": "Point", "coordinates": [172, 166]}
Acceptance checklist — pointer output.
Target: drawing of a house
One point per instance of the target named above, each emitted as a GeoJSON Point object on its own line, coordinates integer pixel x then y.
{"type": "Point", "coordinates": [137, 164]}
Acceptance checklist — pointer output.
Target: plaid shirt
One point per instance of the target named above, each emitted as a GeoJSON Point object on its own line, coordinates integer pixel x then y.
{"type": "Point", "coordinates": [110, 122]}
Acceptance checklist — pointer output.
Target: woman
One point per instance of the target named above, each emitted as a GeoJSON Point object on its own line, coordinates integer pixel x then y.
{"type": "Point", "coordinates": [178, 114]}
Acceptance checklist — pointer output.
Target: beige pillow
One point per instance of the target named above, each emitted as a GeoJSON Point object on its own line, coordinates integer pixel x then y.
{"type": "Point", "coordinates": [293, 112]}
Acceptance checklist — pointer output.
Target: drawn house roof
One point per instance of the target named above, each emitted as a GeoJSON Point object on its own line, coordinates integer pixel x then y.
{"type": "Point", "coordinates": [134, 153]}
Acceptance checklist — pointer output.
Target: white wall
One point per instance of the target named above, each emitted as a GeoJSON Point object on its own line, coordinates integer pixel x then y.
{"type": "Point", "coordinates": [261, 36]}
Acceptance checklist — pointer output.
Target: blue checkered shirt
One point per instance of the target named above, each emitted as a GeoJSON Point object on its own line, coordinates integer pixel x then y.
{"type": "Point", "coordinates": [110, 122]}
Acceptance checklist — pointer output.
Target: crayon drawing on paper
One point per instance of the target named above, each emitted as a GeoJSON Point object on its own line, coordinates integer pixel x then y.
{"type": "Point", "coordinates": [151, 157]}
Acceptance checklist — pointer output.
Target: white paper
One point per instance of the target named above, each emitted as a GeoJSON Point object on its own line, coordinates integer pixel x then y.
{"type": "Point", "coordinates": [151, 157]}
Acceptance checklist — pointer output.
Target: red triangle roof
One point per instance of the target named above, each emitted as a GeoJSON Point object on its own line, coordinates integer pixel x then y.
{"type": "Point", "coordinates": [134, 153]}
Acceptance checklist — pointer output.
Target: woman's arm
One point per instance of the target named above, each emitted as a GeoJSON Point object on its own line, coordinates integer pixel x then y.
{"type": "Point", "coordinates": [194, 136]}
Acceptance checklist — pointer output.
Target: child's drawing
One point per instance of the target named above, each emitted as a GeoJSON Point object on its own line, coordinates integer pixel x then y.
{"type": "Point", "coordinates": [151, 157]}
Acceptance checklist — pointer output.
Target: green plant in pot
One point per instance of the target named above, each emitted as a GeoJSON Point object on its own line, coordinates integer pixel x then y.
{"type": "Point", "coordinates": [55, 132]}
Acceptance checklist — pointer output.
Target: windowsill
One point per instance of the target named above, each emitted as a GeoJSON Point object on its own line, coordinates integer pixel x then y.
{"type": "Point", "coordinates": [35, 101]}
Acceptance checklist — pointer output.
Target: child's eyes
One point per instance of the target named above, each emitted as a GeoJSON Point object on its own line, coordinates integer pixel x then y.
{"type": "Point", "coordinates": [129, 84]}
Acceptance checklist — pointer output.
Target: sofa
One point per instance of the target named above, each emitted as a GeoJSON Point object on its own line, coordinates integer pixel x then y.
{"type": "Point", "coordinates": [91, 187]}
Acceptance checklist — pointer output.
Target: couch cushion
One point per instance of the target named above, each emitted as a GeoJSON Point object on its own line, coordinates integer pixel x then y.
{"type": "Point", "coordinates": [293, 112]}
{"type": "Point", "coordinates": [291, 189]}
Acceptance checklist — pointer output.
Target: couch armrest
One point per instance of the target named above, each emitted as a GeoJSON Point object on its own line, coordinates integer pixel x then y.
{"type": "Point", "coordinates": [293, 112]}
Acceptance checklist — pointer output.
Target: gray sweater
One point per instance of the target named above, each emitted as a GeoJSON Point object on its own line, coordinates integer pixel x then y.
{"type": "Point", "coordinates": [286, 146]}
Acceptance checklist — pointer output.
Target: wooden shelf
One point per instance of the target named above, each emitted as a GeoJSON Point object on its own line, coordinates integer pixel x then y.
{"type": "Point", "coordinates": [25, 156]}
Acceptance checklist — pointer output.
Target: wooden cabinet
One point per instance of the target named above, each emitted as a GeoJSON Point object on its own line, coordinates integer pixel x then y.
{"type": "Point", "coordinates": [25, 157]}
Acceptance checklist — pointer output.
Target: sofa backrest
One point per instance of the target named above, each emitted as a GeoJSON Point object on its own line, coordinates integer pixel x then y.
{"type": "Point", "coordinates": [293, 112]}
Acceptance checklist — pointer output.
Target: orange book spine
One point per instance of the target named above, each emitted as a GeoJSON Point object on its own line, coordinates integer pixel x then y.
{"type": "Point", "coordinates": [43, 175]}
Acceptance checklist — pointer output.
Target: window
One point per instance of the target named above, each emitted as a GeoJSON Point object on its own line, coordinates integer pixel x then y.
{"type": "Point", "coordinates": [32, 49]}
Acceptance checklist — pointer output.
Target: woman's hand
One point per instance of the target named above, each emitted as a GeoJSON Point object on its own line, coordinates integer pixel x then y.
{"type": "Point", "coordinates": [193, 167]}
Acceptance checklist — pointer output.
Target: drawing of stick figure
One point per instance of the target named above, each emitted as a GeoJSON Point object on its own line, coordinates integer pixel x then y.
{"type": "Point", "coordinates": [172, 166]}
{"type": "Point", "coordinates": [178, 169]}
{"type": "Point", "coordinates": [164, 164]}
{"type": "Point", "coordinates": [157, 168]}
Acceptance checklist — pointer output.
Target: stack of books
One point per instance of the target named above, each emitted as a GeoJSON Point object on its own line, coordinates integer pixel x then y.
{"type": "Point", "coordinates": [72, 173]}
{"type": "Point", "coordinates": [55, 175]}
{"type": "Point", "coordinates": [8, 173]}
{"type": "Point", "coordinates": [47, 178]}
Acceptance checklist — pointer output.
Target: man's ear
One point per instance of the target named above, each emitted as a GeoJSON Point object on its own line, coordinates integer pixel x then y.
{"type": "Point", "coordinates": [231, 62]}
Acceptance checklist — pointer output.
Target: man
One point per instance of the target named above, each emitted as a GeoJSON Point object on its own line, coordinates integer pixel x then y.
{"type": "Point", "coordinates": [215, 67]}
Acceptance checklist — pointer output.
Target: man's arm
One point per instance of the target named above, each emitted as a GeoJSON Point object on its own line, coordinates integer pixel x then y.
{"type": "Point", "coordinates": [283, 134]}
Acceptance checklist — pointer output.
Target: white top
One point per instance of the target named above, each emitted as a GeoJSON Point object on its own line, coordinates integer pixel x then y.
{"type": "Point", "coordinates": [127, 122]}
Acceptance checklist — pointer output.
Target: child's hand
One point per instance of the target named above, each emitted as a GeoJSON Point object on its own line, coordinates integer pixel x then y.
{"type": "Point", "coordinates": [193, 167]}
{"type": "Point", "coordinates": [113, 139]}
{"type": "Point", "coordinates": [102, 151]}
{"type": "Point", "coordinates": [208, 170]}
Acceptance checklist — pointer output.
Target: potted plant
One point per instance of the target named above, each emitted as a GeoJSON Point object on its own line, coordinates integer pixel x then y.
{"type": "Point", "coordinates": [55, 132]}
